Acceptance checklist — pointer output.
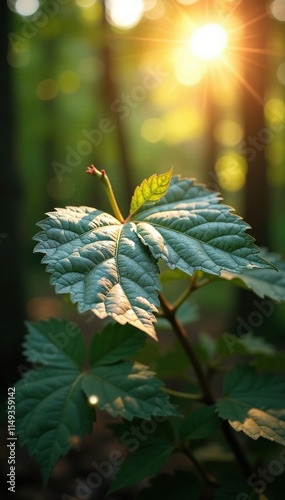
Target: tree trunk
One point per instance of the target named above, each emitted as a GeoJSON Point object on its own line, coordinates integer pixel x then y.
{"type": "Point", "coordinates": [12, 310]}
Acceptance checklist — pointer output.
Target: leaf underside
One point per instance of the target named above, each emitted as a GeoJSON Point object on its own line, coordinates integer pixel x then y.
{"type": "Point", "coordinates": [254, 404]}
{"type": "Point", "coordinates": [111, 268]}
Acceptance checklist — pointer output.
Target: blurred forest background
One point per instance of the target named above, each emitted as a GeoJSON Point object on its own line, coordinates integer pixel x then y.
{"type": "Point", "coordinates": [119, 83]}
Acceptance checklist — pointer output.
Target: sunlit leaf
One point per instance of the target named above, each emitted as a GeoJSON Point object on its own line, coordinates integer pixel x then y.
{"type": "Point", "coordinates": [190, 230]}
{"type": "Point", "coordinates": [128, 389]}
{"type": "Point", "coordinates": [254, 404]}
{"type": "Point", "coordinates": [150, 190]}
{"type": "Point", "coordinates": [102, 264]}
{"type": "Point", "coordinates": [111, 268]}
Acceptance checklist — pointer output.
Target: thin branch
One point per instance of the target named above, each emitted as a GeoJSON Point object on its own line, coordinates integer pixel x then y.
{"type": "Point", "coordinates": [183, 395]}
{"type": "Point", "coordinates": [102, 176]}
{"type": "Point", "coordinates": [205, 476]}
{"type": "Point", "coordinates": [208, 397]}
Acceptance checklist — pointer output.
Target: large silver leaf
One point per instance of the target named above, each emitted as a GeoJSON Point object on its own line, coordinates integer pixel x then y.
{"type": "Point", "coordinates": [102, 264]}
{"type": "Point", "coordinates": [190, 230]}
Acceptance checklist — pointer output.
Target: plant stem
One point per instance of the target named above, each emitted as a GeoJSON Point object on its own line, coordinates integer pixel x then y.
{"type": "Point", "coordinates": [208, 396]}
{"type": "Point", "coordinates": [207, 478]}
{"type": "Point", "coordinates": [109, 190]}
{"type": "Point", "coordinates": [183, 395]}
{"type": "Point", "coordinates": [194, 285]}
{"type": "Point", "coordinates": [182, 337]}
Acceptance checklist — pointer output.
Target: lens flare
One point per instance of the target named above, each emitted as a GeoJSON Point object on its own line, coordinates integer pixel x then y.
{"type": "Point", "coordinates": [208, 41]}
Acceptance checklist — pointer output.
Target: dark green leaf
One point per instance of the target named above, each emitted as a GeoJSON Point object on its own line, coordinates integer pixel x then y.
{"type": "Point", "coordinates": [54, 342]}
{"type": "Point", "coordinates": [51, 405]}
{"type": "Point", "coordinates": [263, 282]}
{"type": "Point", "coordinates": [199, 424]}
{"type": "Point", "coordinates": [145, 462]}
{"type": "Point", "coordinates": [230, 344]}
{"type": "Point", "coordinates": [127, 389]}
{"type": "Point", "coordinates": [254, 403]}
{"type": "Point", "coordinates": [115, 343]}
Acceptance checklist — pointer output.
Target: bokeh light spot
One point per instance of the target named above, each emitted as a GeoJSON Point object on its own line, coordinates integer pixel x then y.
{"type": "Point", "coordinates": [231, 169]}
{"type": "Point", "coordinates": [274, 111]}
{"type": "Point", "coordinates": [26, 7]}
{"type": "Point", "coordinates": [156, 11]}
{"type": "Point", "coordinates": [281, 73]}
{"type": "Point", "coordinates": [153, 130]}
{"type": "Point", "coordinates": [183, 125]}
{"type": "Point", "coordinates": [47, 89]}
{"type": "Point", "coordinates": [68, 82]}
{"type": "Point", "coordinates": [124, 13]}
{"type": "Point", "coordinates": [85, 3]}
{"type": "Point", "coordinates": [208, 41]}
{"type": "Point", "coordinates": [93, 399]}
{"type": "Point", "coordinates": [278, 9]}
{"type": "Point", "coordinates": [228, 133]}
{"type": "Point", "coordinates": [19, 58]}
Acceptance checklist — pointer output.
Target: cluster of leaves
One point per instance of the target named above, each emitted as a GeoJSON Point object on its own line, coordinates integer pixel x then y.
{"type": "Point", "coordinates": [110, 266]}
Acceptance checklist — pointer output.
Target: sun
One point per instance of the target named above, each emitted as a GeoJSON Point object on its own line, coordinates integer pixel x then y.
{"type": "Point", "coordinates": [209, 41]}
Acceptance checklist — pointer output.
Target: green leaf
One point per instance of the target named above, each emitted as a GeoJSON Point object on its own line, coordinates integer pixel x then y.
{"type": "Point", "coordinates": [254, 403]}
{"type": "Point", "coordinates": [115, 343]}
{"type": "Point", "coordinates": [263, 282]}
{"type": "Point", "coordinates": [129, 433]}
{"type": "Point", "coordinates": [111, 268]}
{"type": "Point", "coordinates": [181, 486]}
{"type": "Point", "coordinates": [102, 264]}
{"type": "Point", "coordinates": [150, 190]}
{"type": "Point", "coordinates": [123, 387]}
{"type": "Point", "coordinates": [230, 344]}
{"type": "Point", "coordinates": [146, 461]}
{"type": "Point", "coordinates": [51, 405]}
{"type": "Point", "coordinates": [58, 343]}
{"type": "Point", "coordinates": [199, 424]}
{"type": "Point", "coordinates": [128, 389]}
{"type": "Point", "coordinates": [190, 230]}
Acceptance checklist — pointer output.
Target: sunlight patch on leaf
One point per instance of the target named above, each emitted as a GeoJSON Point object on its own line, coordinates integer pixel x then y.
{"type": "Point", "coordinates": [254, 404]}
